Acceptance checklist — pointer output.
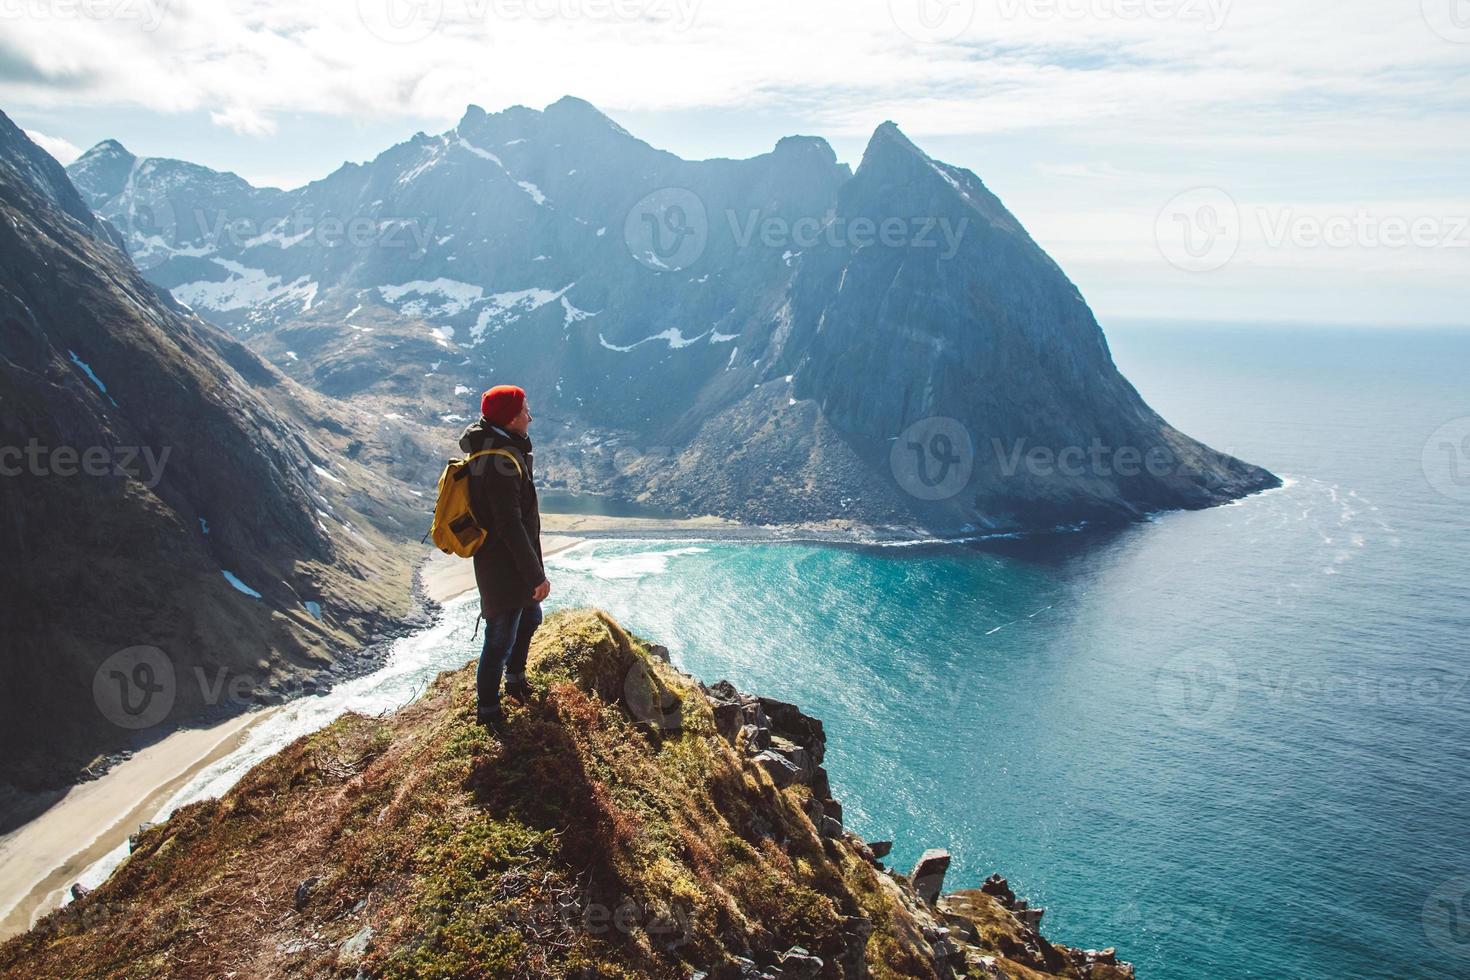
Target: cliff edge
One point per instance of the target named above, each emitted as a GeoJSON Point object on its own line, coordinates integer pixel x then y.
{"type": "Point", "coordinates": [629, 823]}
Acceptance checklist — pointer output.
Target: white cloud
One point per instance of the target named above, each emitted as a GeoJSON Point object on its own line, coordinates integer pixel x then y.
{"type": "Point", "coordinates": [245, 120]}
{"type": "Point", "coordinates": [63, 150]}
{"type": "Point", "coordinates": [1127, 103]}
{"type": "Point", "coordinates": [1021, 64]}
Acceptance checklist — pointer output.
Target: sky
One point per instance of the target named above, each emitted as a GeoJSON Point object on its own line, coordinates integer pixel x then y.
{"type": "Point", "coordinates": [1224, 160]}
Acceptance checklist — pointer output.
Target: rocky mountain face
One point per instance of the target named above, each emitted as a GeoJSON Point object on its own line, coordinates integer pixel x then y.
{"type": "Point", "coordinates": [628, 823]}
{"type": "Point", "coordinates": [778, 339]}
{"type": "Point", "coordinates": [185, 530]}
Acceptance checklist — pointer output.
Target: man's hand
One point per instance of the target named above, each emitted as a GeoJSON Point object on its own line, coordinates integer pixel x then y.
{"type": "Point", "coordinates": [542, 591]}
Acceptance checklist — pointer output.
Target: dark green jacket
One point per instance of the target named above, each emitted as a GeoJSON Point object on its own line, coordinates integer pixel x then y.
{"type": "Point", "coordinates": [508, 565]}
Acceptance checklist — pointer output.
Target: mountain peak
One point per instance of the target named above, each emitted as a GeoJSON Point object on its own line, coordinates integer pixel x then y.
{"type": "Point", "coordinates": [571, 107]}
{"type": "Point", "coordinates": [570, 103]}
{"type": "Point", "coordinates": [107, 149]}
{"type": "Point", "coordinates": [889, 135]}
{"type": "Point", "coordinates": [806, 144]}
{"type": "Point", "coordinates": [472, 114]}
{"type": "Point", "coordinates": [889, 151]}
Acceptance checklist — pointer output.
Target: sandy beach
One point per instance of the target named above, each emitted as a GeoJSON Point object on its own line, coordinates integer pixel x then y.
{"type": "Point", "coordinates": [40, 860]}
{"type": "Point", "coordinates": [447, 576]}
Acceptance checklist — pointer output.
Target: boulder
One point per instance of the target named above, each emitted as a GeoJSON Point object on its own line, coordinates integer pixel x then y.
{"type": "Point", "coordinates": [998, 888]}
{"type": "Point", "coordinates": [880, 848]}
{"type": "Point", "coordinates": [783, 771]}
{"type": "Point", "coordinates": [928, 874]}
{"type": "Point", "coordinates": [756, 739]}
{"type": "Point", "coordinates": [357, 945]}
{"type": "Point", "coordinates": [303, 892]}
{"type": "Point", "coordinates": [797, 962]}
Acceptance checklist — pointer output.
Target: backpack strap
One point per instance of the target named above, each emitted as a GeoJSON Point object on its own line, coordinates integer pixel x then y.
{"type": "Point", "coordinates": [498, 452]}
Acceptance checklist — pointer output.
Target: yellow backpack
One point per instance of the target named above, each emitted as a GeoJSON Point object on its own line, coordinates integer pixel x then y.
{"type": "Point", "coordinates": [455, 529]}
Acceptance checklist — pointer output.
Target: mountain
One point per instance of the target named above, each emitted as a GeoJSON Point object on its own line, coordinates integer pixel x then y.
{"type": "Point", "coordinates": [629, 823]}
{"type": "Point", "coordinates": [779, 339]}
{"type": "Point", "coordinates": [186, 531]}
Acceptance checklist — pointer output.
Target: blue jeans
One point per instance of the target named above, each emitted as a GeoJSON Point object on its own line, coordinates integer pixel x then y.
{"type": "Point", "coordinates": [507, 641]}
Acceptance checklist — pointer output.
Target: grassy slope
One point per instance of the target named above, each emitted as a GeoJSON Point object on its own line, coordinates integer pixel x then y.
{"type": "Point", "coordinates": [583, 843]}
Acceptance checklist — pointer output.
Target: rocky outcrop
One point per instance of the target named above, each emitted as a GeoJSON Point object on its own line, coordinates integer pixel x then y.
{"type": "Point", "coordinates": [589, 839]}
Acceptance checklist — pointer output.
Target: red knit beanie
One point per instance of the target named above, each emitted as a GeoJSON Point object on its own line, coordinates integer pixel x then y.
{"type": "Point", "coordinates": [502, 403]}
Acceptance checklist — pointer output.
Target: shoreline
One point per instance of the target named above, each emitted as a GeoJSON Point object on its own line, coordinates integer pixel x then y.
{"type": "Point", "coordinates": [40, 859]}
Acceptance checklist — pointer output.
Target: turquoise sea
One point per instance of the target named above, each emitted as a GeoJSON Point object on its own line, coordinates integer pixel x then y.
{"type": "Point", "coordinates": [1233, 743]}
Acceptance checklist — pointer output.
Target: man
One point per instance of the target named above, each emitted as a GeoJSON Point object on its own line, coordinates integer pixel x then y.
{"type": "Point", "coordinates": [508, 569]}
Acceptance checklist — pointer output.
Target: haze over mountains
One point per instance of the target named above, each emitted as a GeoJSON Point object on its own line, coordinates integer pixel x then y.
{"type": "Point", "coordinates": [779, 339]}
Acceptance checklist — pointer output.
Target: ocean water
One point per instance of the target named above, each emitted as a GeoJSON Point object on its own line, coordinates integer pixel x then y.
{"type": "Point", "coordinates": [1233, 743]}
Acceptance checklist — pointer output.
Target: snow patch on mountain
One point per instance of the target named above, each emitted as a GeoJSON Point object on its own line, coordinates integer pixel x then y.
{"type": "Point", "coordinates": [573, 314]}
{"type": "Point", "coordinates": [674, 336]}
{"type": "Point", "coordinates": [453, 296]}
{"type": "Point", "coordinates": [483, 154]}
{"type": "Point", "coordinates": [506, 308]}
{"type": "Point", "coordinates": [246, 287]}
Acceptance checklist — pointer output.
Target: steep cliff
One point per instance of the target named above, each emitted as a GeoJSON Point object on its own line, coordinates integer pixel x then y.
{"type": "Point", "coordinates": [629, 823]}
{"type": "Point", "coordinates": [184, 529]}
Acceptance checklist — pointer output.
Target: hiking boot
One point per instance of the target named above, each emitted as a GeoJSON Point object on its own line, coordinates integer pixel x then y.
{"type": "Point", "coordinates": [518, 691]}
{"type": "Point", "coordinates": [492, 720]}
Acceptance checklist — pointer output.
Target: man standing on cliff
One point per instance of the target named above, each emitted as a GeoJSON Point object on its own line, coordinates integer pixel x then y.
{"type": "Point", "coordinates": [508, 569]}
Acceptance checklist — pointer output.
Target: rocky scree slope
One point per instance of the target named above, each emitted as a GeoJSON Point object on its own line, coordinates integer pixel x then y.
{"type": "Point", "coordinates": [730, 337]}
{"type": "Point", "coordinates": [146, 455]}
{"type": "Point", "coordinates": [629, 823]}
